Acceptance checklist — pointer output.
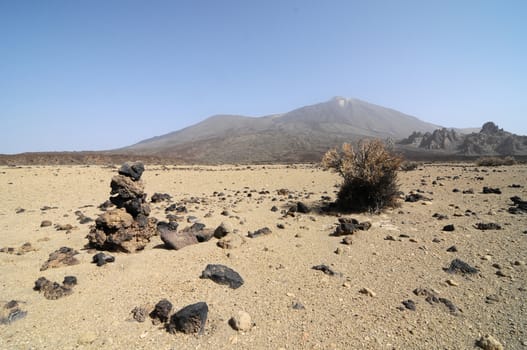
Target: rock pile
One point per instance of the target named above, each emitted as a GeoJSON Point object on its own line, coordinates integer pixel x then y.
{"type": "Point", "coordinates": [126, 228]}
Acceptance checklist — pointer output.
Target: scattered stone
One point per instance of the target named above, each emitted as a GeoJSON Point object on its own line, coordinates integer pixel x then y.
{"type": "Point", "coordinates": [174, 239]}
{"type": "Point", "coordinates": [368, 292]}
{"type": "Point", "coordinates": [62, 257]}
{"type": "Point", "coordinates": [102, 258]}
{"type": "Point", "coordinates": [224, 229]}
{"type": "Point", "coordinates": [53, 290]}
{"type": "Point", "coordinates": [280, 226]}
{"type": "Point", "coordinates": [298, 306]}
{"type": "Point", "coordinates": [488, 190]}
{"type": "Point", "coordinates": [45, 223]}
{"type": "Point", "coordinates": [501, 273]}
{"type": "Point", "coordinates": [274, 208]}
{"type": "Point", "coordinates": [69, 281]}
{"type": "Point", "coordinates": [488, 342]}
{"type": "Point", "coordinates": [451, 282]}
{"type": "Point", "coordinates": [160, 197]}
{"type": "Point", "coordinates": [448, 228]}
{"type": "Point", "coordinates": [19, 210]}
{"type": "Point", "coordinates": [468, 191]}
{"type": "Point", "coordinates": [409, 304]}
{"type": "Point", "coordinates": [440, 216]}
{"type": "Point", "coordinates": [487, 226]}
{"type": "Point", "coordinates": [339, 251]}
{"type": "Point", "coordinates": [389, 238]}
{"type": "Point", "coordinates": [190, 319]}
{"type": "Point", "coordinates": [492, 299]}
{"type": "Point", "coordinates": [23, 249]}
{"type": "Point", "coordinates": [450, 305]}
{"type": "Point", "coordinates": [436, 240]}
{"type": "Point", "coordinates": [459, 266]}
{"type": "Point", "coordinates": [302, 208]}
{"type": "Point", "coordinates": [231, 241]}
{"type": "Point", "coordinates": [350, 226]}
{"type": "Point", "coordinates": [327, 270]}
{"type": "Point", "coordinates": [519, 206]}
{"type": "Point", "coordinates": [11, 312]}
{"type": "Point", "coordinates": [452, 249]}
{"type": "Point", "coordinates": [241, 321]}
{"type": "Point", "coordinates": [222, 274]}
{"type": "Point", "coordinates": [414, 197]}
{"type": "Point", "coordinates": [161, 311]}
{"type": "Point", "coordinates": [260, 232]}
{"type": "Point", "coordinates": [65, 227]}
{"type": "Point", "coordinates": [347, 240]}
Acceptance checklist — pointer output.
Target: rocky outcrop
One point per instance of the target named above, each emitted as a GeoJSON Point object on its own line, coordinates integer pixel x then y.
{"type": "Point", "coordinates": [489, 141]}
{"type": "Point", "coordinates": [127, 228]}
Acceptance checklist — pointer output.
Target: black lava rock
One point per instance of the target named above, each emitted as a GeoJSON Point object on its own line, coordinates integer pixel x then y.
{"type": "Point", "coordinates": [448, 228]}
{"type": "Point", "coordinates": [161, 311]}
{"type": "Point", "coordinates": [459, 266]}
{"type": "Point", "coordinates": [222, 274]}
{"type": "Point", "coordinates": [488, 190]}
{"type": "Point", "coordinates": [102, 258]}
{"type": "Point", "coordinates": [132, 170]}
{"type": "Point", "coordinates": [190, 319]}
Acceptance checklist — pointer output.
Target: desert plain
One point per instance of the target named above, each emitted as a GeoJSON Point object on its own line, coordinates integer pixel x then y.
{"type": "Point", "coordinates": [291, 305]}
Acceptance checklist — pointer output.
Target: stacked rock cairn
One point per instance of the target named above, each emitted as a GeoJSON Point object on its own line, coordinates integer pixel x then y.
{"type": "Point", "coordinates": [126, 228]}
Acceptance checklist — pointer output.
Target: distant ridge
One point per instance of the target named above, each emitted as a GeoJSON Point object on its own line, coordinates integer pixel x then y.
{"type": "Point", "coordinates": [303, 134]}
{"type": "Point", "coordinates": [490, 140]}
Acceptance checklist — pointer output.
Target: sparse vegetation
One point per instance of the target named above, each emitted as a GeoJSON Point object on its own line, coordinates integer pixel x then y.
{"type": "Point", "coordinates": [495, 161]}
{"type": "Point", "coordinates": [369, 173]}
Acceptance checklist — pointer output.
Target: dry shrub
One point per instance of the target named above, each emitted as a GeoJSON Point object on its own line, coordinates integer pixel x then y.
{"type": "Point", "coordinates": [370, 176]}
{"type": "Point", "coordinates": [495, 161]}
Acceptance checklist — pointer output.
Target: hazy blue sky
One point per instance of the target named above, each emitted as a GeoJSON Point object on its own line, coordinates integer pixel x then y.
{"type": "Point", "coordinates": [91, 75]}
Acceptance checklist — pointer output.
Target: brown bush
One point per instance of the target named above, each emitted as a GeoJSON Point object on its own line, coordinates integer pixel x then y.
{"type": "Point", "coordinates": [495, 161]}
{"type": "Point", "coordinates": [370, 176]}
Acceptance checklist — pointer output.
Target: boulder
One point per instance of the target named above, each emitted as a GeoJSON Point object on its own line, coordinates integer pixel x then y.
{"type": "Point", "coordinates": [222, 274]}
{"type": "Point", "coordinates": [190, 319]}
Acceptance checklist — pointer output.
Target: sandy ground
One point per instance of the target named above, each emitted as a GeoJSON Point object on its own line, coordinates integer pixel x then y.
{"type": "Point", "coordinates": [277, 268]}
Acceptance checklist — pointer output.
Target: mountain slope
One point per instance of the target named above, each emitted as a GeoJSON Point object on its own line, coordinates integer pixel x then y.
{"type": "Point", "coordinates": [303, 134]}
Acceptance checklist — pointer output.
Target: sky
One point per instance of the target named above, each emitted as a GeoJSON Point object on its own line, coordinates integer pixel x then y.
{"type": "Point", "coordinates": [103, 74]}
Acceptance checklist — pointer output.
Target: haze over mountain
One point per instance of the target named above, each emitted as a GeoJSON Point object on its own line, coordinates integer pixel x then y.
{"type": "Point", "coordinates": [303, 134]}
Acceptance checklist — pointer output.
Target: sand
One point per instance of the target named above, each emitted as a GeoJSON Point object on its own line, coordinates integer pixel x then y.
{"type": "Point", "coordinates": [277, 268]}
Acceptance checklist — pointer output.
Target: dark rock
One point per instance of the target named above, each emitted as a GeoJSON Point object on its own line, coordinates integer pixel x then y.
{"type": "Point", "coordinates": [409, 304]}
{"type": "Point", "coordinates": [488, 190]}
{"type": "Point", "coordinates": [161, 311]}
{"type": "Point", "coordinates": [280, 226]}
{"type": "Point", "coordinates": [414, 197]}
{"type": "Point", "coordinates": [223, 230]}
{"type": "Point", "coordinates": [45, 223]}
{"type": "Point", "coordinates": [469, 191]}
{"type": "Point", "coordinates": [53, 290]}
{"type": "Point", "coordinates": [459, 266]}
{"type": "Point", "coordinates": [102, 258]}
{"type": "Point", "coordinates": [274, 208]}
{"type": "Point", "coordinates": [298, 306]}
{"type": "Point", "coordinates": [132, 170]}
{"type": "Point", "coordinates": [11, 312]}
{"type": "Point", "coordinates": [448, 228]}
{"type": "Point", "coordinates": [327, 270]}
{"type": "Point", "coordinates": [440, 216]}
{"type": "Point", "coordinates": [69, 281]}
{"type": "Point", "coordinates": [487, 226]}
{"type": "Point", "coordinates": [190, 319]}
{"type": "Point", "coordinates": [452, 249]}
{"type": "Point", "coordinates": [222, 275]}
{"type": "Point", "coordinates": [260, 232]}
{"type": "Point", "coordinates": [302, 208]}
{"type": "Point", "coordinates": [61, 257]}
{"type": "Point", "coordinates": [350, 226]}
{"type": "Point", "coordinates": [160, 197]}
{"type": "Point", "coordinates": [450, 305]}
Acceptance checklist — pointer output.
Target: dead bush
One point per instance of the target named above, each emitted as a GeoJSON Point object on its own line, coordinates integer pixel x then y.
{"type": "Point", "coordinates": [495, 161]}
{"type": "Point", "coordinates": [369, 173]}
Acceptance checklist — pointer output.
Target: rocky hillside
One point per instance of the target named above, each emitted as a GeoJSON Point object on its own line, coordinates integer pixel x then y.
{"type": "Point", "coordinates": [489, 141]}
{"type": "Point", "coordinates": [303, 134]}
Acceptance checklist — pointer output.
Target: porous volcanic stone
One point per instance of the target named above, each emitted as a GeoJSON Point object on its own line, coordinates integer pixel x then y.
{"type": "Point", "coordinates": [190, 319]}
{"type": "Point", "coordinates": [222, 274]}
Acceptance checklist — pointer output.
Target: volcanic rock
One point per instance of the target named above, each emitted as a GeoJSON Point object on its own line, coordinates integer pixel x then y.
{"type": "Point", "coordinates": [11, 312]}
{"type": "Point", "coordinates": [53, 290]}
{"type": "Point", "coordinates": [161, 311]}
{"type": "Point", "coordinates": [128, 227]}
{"type": "Point", "coordinates": [223, 275]}
{"type": "Point", "coordinates": [459, 266]}
{"type": "Point", "coordinates": [190, 319]}
{"type": "Point", "coordinates": [61, 257]}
